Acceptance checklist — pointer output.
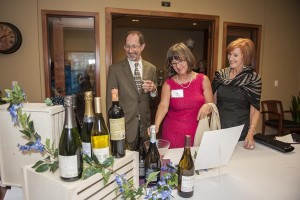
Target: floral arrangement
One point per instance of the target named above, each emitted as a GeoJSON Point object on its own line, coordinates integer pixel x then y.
{"type": "Point", "coordinates": [16, 97]}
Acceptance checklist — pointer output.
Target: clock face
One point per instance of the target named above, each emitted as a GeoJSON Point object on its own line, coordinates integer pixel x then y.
{"type": "Point", "coordinates": [10, 38]}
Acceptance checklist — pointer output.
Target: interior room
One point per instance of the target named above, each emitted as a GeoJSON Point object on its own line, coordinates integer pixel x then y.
{"type": "Point", "coordinates": [96, 40]}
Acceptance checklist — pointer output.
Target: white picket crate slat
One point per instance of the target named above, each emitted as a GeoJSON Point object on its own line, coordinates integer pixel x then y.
{"type": "Point", "coordinates": [48, 123]}
{"type": "Point", "coordinates": [49, 186]}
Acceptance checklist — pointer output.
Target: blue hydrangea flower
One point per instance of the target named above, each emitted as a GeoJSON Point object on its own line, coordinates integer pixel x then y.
{"type": "Point", "coordinates": [36, 146]}
{"type": "Point", "coordinates": [13, 110]}
{"type": "Point", "coordinates": [119, 181]}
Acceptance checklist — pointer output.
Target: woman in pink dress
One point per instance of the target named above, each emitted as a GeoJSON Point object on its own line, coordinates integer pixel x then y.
{"type": "Point", "coordinates": [184, 97]}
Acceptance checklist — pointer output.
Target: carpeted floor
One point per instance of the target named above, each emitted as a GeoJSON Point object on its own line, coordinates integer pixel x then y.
{"type": "Point", "coordinates": [11, 193]}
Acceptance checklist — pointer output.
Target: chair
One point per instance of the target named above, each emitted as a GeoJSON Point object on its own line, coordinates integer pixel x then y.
{"type": "Point", "coordinates": [273, 116]}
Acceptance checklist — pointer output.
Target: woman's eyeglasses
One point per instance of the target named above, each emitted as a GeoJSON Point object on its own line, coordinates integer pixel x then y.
{"type": "Point", "coordinates": [174, 64]}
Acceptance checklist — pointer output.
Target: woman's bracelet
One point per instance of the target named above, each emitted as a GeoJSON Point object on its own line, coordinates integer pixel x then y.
{"type": "Point", "coordinates": [252, 128]}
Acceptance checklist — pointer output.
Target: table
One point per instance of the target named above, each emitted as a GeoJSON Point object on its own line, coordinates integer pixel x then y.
{"type": "Point", "coordinates": [263, 173]}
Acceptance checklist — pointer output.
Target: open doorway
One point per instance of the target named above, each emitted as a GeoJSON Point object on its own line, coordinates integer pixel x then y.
{"type": "Point", "coordinates": [161, 30]}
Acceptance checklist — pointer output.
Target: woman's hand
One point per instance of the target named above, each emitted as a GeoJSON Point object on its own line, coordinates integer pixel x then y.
{"type": "Point", "coordinates": [204, 111]}
{"type": "Point", "coordinates": [249, 142]}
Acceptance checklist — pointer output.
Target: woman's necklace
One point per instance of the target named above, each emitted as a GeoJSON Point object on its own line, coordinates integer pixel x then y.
{"type": "Point", "coordinates": [181, 84]}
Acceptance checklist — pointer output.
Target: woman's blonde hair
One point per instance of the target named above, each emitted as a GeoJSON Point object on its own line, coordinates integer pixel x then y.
{"type": "Point", "coordinates": [247, 48]}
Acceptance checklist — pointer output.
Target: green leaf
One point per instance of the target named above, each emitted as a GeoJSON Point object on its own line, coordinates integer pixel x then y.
{"type": "Point", "coordinates": [106, 176]}
{"type": "Point", "coordinates": [90, 171]}
{"type": "Point", "coordinates": [95, 159]}
{"type": "Point", "coordinates": [54, 166]}
{"type": "Point", "coordinates": [27, 133]}
{"type": "Point", "coordinates": [152, 177]}
{"type": "Point", "coordinates": [108, 162]}
{"type": "Point", "coordinates": [47, 158]}
{"type": "Point", "coordinates": [88, 159]}
{"type": "Point", "coordinates": [48, 102]}
{"type": "Point", "coordinates": [31, 126]}
{"type": "Point", "coordinates": [29, 143]}
{"type": "Point", "coordinates": [47, 143]}
{"type": "Point", "coordinates": [37, 136]}
{"type": "Point", "coordinates": [37, 163]}
{"type": "Point", "coordinates": [42, 168]}
{"type": "Point", "coordinates": [56, 153]}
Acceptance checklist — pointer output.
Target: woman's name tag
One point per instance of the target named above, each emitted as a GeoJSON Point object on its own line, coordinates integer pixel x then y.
{"type": "Point", "coordinates": [177, 93]}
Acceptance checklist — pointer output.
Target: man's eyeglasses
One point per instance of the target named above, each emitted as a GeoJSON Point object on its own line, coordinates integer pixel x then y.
{"type": "Point", "coordinates": [133, 47]}
{"type": "Point", "coordinates": [174, 64]}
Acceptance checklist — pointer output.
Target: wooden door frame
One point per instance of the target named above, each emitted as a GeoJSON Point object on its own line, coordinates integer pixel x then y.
{"type": "Point", "coordinates": [212, 18]}
{"type": "Point", "coordinates": [45, 14]}
{"type": "Point", "coordinates": [256, 38]}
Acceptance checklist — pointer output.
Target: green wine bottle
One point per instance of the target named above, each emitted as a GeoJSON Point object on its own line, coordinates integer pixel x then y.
{"type": "Point", "coordinates": [100, 136]}
{"type": "Point", "coordinates": [70, 147]}
{"type": "Point", "coordinates": [152, 160]}
{"type": "Point", "coordinates": [140, 147]}
{"type": "Point", "coordinates": [88, 120]}
{"type": "Point", "coordinates": [186, 171]}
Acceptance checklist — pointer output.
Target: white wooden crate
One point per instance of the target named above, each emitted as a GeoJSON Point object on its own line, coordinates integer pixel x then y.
{"type": "Point", "coordinates": [49, 186]}
{"type": "Point", "coordinates": [48, 123]}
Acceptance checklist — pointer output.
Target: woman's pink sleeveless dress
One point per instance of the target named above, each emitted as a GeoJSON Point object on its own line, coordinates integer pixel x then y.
{"type": "Point", "coordinates": [181, 118]}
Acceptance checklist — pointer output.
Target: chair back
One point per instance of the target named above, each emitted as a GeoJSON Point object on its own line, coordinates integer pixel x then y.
{"type": "Point", "coordinates": [274, 109]}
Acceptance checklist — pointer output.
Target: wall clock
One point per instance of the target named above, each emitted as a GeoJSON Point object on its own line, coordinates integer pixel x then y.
{"type": "Point", "coordinates": [10, 38]}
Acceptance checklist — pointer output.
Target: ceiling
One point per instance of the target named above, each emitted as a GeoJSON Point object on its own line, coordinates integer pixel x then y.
{"type": "Point", "coordinates": [158, 22]}
{"type": "Point", "coordinates": [136, 21]}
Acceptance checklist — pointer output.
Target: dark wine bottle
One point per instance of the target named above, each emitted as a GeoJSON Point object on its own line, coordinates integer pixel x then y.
{"type": "Point", "coordinates": [77, 120]}
{"type": "Point", "coordinates": [186, 171]}
{"type": "Point", "coordinates": [70, 147]}
{"type": "Point", "coordinates": [116, 126]}
{"type": "Point", "coordinates": [141, 148]}
{"type": "Point", "coordinates": [87, 125]}
{"type": "Point", "coordinates": [152, 160]}
{"type": "Point", "coordinates": [100, 136]}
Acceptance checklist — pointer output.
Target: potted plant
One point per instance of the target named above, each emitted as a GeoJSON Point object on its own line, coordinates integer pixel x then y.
{"type": "Point", "coordinates": [295, 108]}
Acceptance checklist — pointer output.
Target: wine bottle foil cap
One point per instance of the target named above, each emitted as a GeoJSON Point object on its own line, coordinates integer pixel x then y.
{"type": "Point", "coordinates": [68, 100]}
{"type": "Point", "coordinates": [187, 141]}
{"type": "Point", "coordinates": [152, 129]}
{"type": "Point", "coordinates": [97, 107]}
{"type": "Point", "coordinates": [88, 96]}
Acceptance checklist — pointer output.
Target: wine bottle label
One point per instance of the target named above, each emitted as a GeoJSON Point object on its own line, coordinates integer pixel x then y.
{"type": "Point", "coordinates": [187, 183]}
{"type": "Point", "coordinates": [100, 141]}
{"type": "Point", "coordinates": [150, 169]}
{"type": "Point", "coordinates": [86, 148]}
{"type": "Point", "coordinates": [68, 167]}
{"type": "Point", "coordinates": [117, 128]}
{"type": "Point", "coordinates": [101, 154]}
{"type": "Point", "coordinates": [142, 171]}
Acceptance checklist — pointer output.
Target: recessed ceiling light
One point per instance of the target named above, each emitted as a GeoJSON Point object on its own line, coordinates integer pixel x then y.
{"type": "Point", "coordinates": [195, 23]}
{"type": "Point", "coordinates": [135, 20]}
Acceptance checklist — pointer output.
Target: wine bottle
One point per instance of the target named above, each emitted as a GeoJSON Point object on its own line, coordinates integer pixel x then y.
{"type": "Point", "coordinates": [152, 160]}
{"type": "Point", "coordinates": [70, 147]}
{"type": "Point", "coordinates": [141, 148]}
{"type": "Point", "coordinates": [77, 120]}
{"type": "Point", "coordinates": [100, 137]}
{"type": "Point", "coordinates": [186, 171]}
{"type": "Point", "coordinates": [87, 125]}
{"type": "Point", "coordinates": [116, 126]}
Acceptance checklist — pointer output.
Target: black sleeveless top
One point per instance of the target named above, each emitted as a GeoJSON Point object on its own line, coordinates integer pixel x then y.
{"type": "Point", "coordinates": [234, 108]}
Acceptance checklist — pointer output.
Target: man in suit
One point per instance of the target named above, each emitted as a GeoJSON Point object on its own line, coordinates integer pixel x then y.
{"type": "Point", "coordinates": [134, 100]}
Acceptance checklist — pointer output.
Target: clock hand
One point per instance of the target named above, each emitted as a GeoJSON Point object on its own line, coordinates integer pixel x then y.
{"type": "Point", "coordinates": [3, 36]}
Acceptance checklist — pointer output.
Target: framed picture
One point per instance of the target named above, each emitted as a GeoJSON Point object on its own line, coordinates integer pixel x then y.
{"type": "Point", "coordinates": [233, 31]}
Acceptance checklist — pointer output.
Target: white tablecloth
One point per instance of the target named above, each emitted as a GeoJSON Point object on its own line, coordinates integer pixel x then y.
{"type": "Point", "coordinates": [263, 173]}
